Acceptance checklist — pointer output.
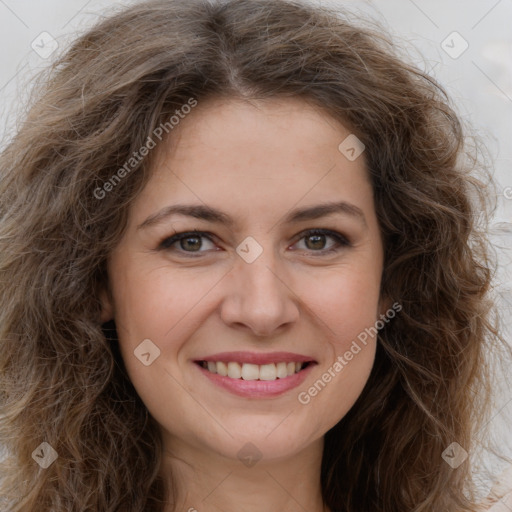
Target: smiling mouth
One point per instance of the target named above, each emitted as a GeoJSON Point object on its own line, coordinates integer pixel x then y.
{"type": "Point", "coordinates": [247, 371]}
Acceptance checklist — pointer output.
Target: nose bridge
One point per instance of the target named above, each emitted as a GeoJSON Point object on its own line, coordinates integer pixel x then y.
{"type": "Point", "coordinates": [258, 262]}
{"type": "Point", "coordinates": [261, 280]}
{"type": "Point", "coordinates": [262, 284]}
{"type": "Point", "coordinates": [258, 296]}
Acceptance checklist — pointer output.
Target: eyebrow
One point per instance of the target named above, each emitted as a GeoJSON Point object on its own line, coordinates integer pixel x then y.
{"type": "Point", "coordinates": [210, 214]}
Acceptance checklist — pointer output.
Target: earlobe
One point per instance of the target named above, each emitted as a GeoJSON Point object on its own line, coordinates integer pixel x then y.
{"type": "Point", "coordinates": [107, 308]}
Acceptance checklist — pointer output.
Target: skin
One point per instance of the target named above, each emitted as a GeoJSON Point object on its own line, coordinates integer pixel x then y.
{"type": "Point", "coordinates": [255, 161]}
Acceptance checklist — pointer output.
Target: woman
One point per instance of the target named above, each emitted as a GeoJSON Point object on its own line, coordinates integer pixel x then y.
{"type": "Point", "coordinates": [242, 269]}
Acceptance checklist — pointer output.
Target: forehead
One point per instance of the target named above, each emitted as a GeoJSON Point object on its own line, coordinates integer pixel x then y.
{"type": "Point", "coordinates": [294, 126]}
{"type": "Point", "coordinates": [241, 136]}
{"type": "Point", "coordinates": [272, 153]}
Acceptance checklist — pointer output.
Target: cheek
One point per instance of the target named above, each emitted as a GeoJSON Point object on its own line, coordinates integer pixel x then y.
{"type": "Point", "coordinates": [349, 314]}
{"type": "Point", "coordinates": [148, 307]}
{"type": "Point", "coordinates": [164, 307]}
{"type": "Point", "coordinates": [152, 303]}
{"type": "Point", "coordinates": [347, 302]}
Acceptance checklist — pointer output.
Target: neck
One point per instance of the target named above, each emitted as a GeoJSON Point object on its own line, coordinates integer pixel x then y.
{"type": "Point", "coordinates": [210, 482]}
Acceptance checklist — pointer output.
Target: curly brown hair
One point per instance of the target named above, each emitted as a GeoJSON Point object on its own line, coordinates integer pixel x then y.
{"type": "Point", "coordinates": [62, 377]}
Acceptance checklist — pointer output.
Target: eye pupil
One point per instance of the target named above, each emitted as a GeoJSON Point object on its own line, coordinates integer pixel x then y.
{"type": "Point", "coordinates": [318, 241]}
{"type": "Point", "coordinates": [196, 246]}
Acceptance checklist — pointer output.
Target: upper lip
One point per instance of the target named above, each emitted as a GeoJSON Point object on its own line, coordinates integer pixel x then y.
{"type": "Point", "coordinates": [257, 358]}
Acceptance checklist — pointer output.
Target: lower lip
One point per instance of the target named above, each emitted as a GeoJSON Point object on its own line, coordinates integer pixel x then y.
{"type": "Point", "coordinates": [257, 388]}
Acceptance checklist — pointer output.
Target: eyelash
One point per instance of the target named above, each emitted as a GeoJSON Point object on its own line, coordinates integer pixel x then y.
{"type": "Point", "coordinates": [341, 240]}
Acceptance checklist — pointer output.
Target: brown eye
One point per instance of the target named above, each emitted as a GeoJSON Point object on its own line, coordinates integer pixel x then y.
{"type": "Point", "coordinates": [316, 240]}
{"type": "Point", "coordinates": [192, 243]}
{"type": "Point", "coordinates": [189, 242]}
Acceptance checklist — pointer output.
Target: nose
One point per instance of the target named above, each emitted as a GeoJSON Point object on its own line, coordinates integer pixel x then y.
{"type": "Point", "coordinates": [258, 298]}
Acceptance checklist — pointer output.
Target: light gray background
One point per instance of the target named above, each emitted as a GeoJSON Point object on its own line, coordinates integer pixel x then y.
{"type": "Point", "coordinates": [479, 81]}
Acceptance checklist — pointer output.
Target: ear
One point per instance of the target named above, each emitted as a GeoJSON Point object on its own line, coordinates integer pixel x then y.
{"type": "Point", "coordinates": [107, 305]}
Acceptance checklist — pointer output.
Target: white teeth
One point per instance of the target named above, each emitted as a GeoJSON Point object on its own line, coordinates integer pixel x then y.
{"type": "Point", "coordinates": [222, 369]}
{"type": "Point", "coordinates": [281, 371]}
{"type": "Point", "coordinates": [234, 370]}
{"type": "Point", "coordinates": [248, 371]}
{"type": "Point", "coordinates": [268, 372]}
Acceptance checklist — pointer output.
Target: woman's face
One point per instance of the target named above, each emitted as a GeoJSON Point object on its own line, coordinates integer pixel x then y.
{"type": "Point", "coordinates": [255, 292]}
